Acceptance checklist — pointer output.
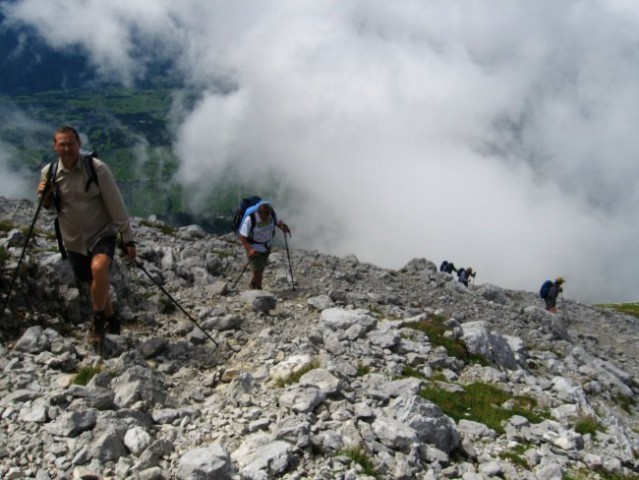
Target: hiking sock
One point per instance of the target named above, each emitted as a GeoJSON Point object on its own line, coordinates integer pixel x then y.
{"type": "Point", "coordinates": [96, 330]}
{"type": "Point", "coordinates": [113, 325]}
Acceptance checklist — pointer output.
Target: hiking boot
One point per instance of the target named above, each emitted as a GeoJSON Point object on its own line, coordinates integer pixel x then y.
{"type": "Point", "coordinates": [96, 331]}
{"type": "Point", "coordinates": [113, 325]}
{"type": "Point", "coordinates": [254, 286]}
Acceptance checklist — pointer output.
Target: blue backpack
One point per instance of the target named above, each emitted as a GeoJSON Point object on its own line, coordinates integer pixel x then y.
{"type": "Point", "coordinates": [248, 207]}
{"type": "Point", "coordinates": [545, 288]}
{"type": "Point", "coordinates": [245, 204]}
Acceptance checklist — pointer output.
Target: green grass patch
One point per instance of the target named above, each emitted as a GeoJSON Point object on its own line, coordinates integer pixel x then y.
{"type": "Point", "coordinates": [588, 425]}
{"type": "Point", "coordinates": [597, 474]}
{"type": "Point", "coordinates": [484, 403]}
{"type": "Point", "coordinates": [579, 474]}
{"type": "Point", "coordinates": [85, 375]}
{"type": "Point", "coordinates": [295, 377]}
{"type": "Point", "coordinates": [360, 457]}
{"type": "Point", "coordinates": [626, 403]}
{"type": "Point", "coordinates": [363, 369]}
{"type": "Point", "coordinates": [627, 308]}
{"type": "Point", "coordinates": [409, 371]}
{"type": "Point", "coordinates": [605, 475]}
{"type": "Point", "coordinates": [516, 455]}
{"type": "Point", "coordinates": [6, 226]}
{"type": "Point", "coordinates": [439, 377]}
{"type": "Point", "coordinates": [435, 329]}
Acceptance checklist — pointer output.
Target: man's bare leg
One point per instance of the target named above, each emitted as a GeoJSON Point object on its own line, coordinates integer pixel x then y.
{"type": "Point", "coordinates": [100, 264]}
{"type": "Point", "coordinates": [102, 308]}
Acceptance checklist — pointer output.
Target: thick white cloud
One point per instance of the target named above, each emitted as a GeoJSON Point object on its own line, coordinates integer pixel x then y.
{"type": "Point", "coordinates": [13, 184]}
{"type": "Point", "coordinates": [17, 181]}
{"type": "Point", "coordinates": [496, 134]}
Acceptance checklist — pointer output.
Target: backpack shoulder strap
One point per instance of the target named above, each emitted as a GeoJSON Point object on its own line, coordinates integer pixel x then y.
{"type": "Point", "coordinates": [89, 165]}
{"type": "Point", "coordinates": [253, 223]}
{"type": "Point", "coordinates": [53, 168]}
{"type": "Point", "coordinates": [51, 174]}
{"type": "Point", "coordinates": [251, 217]}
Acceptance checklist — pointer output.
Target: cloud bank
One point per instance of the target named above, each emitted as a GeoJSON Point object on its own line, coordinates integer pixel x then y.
{"type": "Point", "coordinates": [498, 135]}
{"type": "Point", "coordinates": [12, 184]}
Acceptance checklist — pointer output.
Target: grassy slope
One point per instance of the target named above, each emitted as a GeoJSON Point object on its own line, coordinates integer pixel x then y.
{"type": "Point", "coordinates": [627, 308]}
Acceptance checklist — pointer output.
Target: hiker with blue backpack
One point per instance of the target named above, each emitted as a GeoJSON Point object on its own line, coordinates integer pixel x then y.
{"type": "Point", "coordinates": [256, 231]}
{"type": "Point", "coordinates": [90, 214]}
{"type": "Point", "coordinates": [549, 292]}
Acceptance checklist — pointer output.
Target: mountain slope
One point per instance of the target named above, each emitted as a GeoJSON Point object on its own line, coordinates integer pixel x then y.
{"type": "Point", "coordinates": [334, 379]}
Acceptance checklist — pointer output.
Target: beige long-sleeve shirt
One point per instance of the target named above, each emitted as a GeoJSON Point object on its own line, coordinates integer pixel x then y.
{"type": "Point", "coordinates": [86, 217]}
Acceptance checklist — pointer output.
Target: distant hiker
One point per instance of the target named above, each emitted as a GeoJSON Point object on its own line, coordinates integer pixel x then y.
{"type": "Point", "coordinates": [256, 234]}
{"type": "Point", "coordinates": [549, 291]}
{"type": "Point", "coordinates": [90, 214]}
{"type": "Point", "coordinates": [447, 267]}
{"type": "Point", "coordinates": [464, 274]}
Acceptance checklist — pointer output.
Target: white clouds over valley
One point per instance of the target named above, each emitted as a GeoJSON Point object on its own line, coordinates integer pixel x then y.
{"type": "Point", "coordinates": [496, 134]}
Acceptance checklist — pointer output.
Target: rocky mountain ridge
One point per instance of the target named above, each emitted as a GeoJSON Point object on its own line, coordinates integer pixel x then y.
{"type": "Point", "coordinates": [326, 380]}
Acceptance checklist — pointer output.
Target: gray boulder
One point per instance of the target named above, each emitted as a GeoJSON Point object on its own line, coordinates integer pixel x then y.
{"type": "Point", "coordinates": [494, 347]}
{"type": "Point", "coordinates": [205, 463]}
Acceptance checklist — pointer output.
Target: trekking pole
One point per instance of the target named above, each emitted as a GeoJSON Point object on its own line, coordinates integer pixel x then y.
{"type": "Point", "coordinates": [24, 249]}
{"type": "Point", "coordinates": [241, 273]}
{"type": "Point", "coordinates": [290, 268]}
{"type": "Point", "coordinates": [564, 309]}
{"type": "Point", "coordinates": [127, 293]}
{"type": "Point", "coordinates": [157, 284]}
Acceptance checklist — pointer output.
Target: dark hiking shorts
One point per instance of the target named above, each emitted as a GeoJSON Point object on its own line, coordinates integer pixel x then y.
{"type": "Point", "coordinates": [81, 264]}
{"type": "Point", "coordinates": [259, 262]}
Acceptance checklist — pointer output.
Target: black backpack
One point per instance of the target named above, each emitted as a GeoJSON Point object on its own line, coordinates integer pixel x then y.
{"type": "Point", "coordinates": [89, 166]}
{"type": "Point", "coordinates": [245, 204]}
